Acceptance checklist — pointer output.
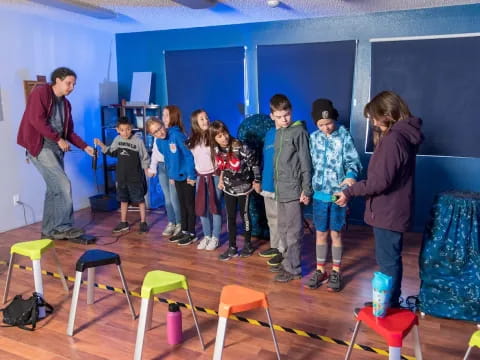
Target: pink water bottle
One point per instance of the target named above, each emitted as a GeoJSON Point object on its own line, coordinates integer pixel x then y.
{"type": "Point", "coordinates": [174, 324]}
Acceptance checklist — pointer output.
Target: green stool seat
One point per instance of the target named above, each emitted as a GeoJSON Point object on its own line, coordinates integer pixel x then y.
{"type": "Point", "coordinates": [156, 282]}
{"type": "Point", "coordinates": [32, 249]}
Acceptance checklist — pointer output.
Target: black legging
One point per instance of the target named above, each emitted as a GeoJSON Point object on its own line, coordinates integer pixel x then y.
{"type": "Point", "coordinates": [231, 205]}
{"type": "Point", "coordinates": [186, 199]}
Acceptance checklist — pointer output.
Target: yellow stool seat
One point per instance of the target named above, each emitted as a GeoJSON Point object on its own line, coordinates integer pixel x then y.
{"type": "Point", "coordinates": [475, 339]}
{"type": "Point", "coordinates": [156, 282]}
{"type": "Point", "coordinates": [33, 249]}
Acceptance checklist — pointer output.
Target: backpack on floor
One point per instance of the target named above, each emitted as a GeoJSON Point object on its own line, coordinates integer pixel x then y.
{"type": "Point", "coordinates": [22, 312]}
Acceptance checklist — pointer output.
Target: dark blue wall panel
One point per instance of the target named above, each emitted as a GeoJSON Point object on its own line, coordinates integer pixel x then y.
{"type": "Point", "coordinates": [211, 79]}
{"type": "Point", "coordinates": [305, 72]}
{"type": "Point", "coordinates": [440, 81]}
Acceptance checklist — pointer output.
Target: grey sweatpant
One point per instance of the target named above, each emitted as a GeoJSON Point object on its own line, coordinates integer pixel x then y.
{"type": "Point", "coordinates": [290, 233]}
{"type": "Point", "coordinates": [271, 210]}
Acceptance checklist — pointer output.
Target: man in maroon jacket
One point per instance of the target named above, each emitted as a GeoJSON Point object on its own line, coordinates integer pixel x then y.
{"type": "Point", "coordinates": [46, 131]}
{"type": "Point", "coordinates": [389, 187]}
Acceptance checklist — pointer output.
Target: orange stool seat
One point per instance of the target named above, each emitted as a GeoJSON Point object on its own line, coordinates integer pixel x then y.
{"type": "Point", "coordinates": [235, 299]}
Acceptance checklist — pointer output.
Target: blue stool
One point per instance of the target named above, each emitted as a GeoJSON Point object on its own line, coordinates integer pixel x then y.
{"type": "Point", "coordinates": [90, 260]}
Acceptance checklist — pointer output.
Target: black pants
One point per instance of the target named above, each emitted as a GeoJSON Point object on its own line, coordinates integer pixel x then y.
{"type": "Point", "coordinates": [231, 205]}
{"type": "Point", "coordinates": [186, 199]}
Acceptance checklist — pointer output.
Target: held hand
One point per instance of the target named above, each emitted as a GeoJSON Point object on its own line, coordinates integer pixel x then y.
{"type": "Point", "coordinates": [342, 199]}
{"type": "Point", "coordinates": [347, 182]}
{"type": "Point", "coordinates": [172, 181]}
{"type": "Point", "coordinates": [257, 187]}
{"type": "Point", "coordinates": [191, 182]}
{"type": "Point", "coordinates": [89, 150]}
{"type": "Point", "coordinates": [304, 199]}
{"type": "Point", "coordinates": [99, 142]}
{"type": "Point", "coordinates": [64, 145]}
{"type": "Point", "coordinates": [221, 186]}
{"type": "Point", "coordinates": [149, 173]}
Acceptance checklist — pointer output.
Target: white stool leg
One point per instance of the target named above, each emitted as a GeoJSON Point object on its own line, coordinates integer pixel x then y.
{"type": "Point", "coordinates": [220, 338]}
{"type": "Point", "coordinates": [275, 343]}
{"type": "Point", "coordinates": [9, 275]}
{"type": "Point", "coordinates": [73, 305]}
{"type": "Point", "coordinates": [467, 354]}
{"type": "Point", "coordinates": [394, 353]}
{"type": "Point", "coordinates": [60, 271]}
{"type": "Point", "coordinates": [37, 278]}
{"type": "Point", "coordinates": [125, 288]}
{"type": "Point", "coordinates": [418, 347]}
{"type": "Point", "coordinates": [352, 342]}
{"type": "Point", "coordinates": [195, 319]}
{"type": "Point", "coordinates": [91, 285]}
{"type": "Point", "coordinates": [145, 313]}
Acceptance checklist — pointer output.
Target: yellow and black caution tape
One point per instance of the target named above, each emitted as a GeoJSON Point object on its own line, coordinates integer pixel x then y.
{"type": "Point", "coordinates": [233, 317]}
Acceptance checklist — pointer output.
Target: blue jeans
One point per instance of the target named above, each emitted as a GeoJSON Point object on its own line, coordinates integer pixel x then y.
{"type": "Point", "coordinates": [212, 223]}
{"type": "Point", "coordinates": [58, 204]}
{"type": "Point", "coordinates": [170, 195]}
{"type": "Point", "coordinates": [388, 251]}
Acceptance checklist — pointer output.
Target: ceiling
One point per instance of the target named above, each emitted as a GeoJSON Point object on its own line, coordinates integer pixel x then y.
{"type": "Point", "coordinates": [143, 15]}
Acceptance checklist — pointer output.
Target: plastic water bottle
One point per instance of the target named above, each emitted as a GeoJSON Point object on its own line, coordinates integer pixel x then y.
{"type": "Point", "coordinates": [174, 324]}
{"type": "Point", "coordinates": [382, 288]}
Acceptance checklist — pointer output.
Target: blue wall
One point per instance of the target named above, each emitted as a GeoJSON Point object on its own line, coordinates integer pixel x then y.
{"type": "Point", "coordinates": [144, 52]}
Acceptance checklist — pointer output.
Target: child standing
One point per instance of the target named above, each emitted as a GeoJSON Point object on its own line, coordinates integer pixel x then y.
{"type": "Point", "coordinates": [130, 178]}
{"type": "Point", "coordinates": [207, 199]}
{"type": "Point", "coordinates": [389, 186]}
{"type": "Point", "coordinates": [293, 185]}
{"type": "Point", "coordinates": [239, 174]}
{"type": "Point", "coordinates": [180, 171]}
{"type": "Point", "coordinates": [336, 165]}
{"type": "Point", "coordinates": [157, 129]}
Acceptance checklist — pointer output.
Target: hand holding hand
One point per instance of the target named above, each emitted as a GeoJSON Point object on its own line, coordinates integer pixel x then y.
{"type": "Point", "coordinates": [347, 182]}
{"type": "Point", "coordinates": [191, 182]}
{"type": "Point", "coordinates": [257, 187]}
{"type": "Point", "coordinates": [221, 186]}
{"type": "Point", "coordinates": [304, 199]}
{"type": "Point", "coordinates": [149, 173]}
{"type": "Point", "coordinates": [341, 199]}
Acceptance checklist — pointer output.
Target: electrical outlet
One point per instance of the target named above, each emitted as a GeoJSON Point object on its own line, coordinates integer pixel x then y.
{"type": "Point", "coordinates": [16, 199]}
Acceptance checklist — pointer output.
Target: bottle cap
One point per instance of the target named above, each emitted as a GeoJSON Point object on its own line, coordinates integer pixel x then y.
{"type": "Point", "coordinates": [173, 307]}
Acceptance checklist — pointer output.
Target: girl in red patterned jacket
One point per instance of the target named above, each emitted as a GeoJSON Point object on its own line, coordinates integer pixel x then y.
{"type": "Point", "coordinates": [239, 174]}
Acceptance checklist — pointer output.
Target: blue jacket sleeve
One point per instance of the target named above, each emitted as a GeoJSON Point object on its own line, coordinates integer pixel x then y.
{"type": "Point", "coordinates": [187, 156]}
{"type": "Point", "coordinates": [352, 164]}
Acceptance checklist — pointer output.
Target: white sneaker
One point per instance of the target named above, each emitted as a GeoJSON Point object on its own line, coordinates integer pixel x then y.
{"type": "Point", "coordinates": [177, 230]}
{"type": "Point", "coordinates": [169, 229]}
{"type": "Point", "coordinates": [212, 244]}
{"type": "Point", "coordinates": [203, 243]}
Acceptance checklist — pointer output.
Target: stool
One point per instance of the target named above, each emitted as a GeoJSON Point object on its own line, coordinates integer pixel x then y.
{"type": "Point", "coordinates": [474, 341]}
{"type": "Point", "coordinates": [156, 282]}
{"type": "Point", "coordinates": [34, 250]}
{"type": "Point", "coordinates": [393, 327]}
{"type": "Point", "coordinates": [234, 299]}
{"type": "Point", "coordinates": [90, 260]}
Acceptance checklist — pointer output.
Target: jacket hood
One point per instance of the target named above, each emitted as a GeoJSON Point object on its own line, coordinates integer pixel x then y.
{"type": "Point", "coordinates": [410, 129]}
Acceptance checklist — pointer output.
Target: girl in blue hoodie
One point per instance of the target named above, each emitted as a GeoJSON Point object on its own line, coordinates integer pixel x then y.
{"type": "Point", "coordinates": [180, 170]}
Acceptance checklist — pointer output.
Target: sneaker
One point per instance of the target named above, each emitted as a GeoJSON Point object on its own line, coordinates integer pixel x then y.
{"type": "Point", "coordinates": [178, 229]}
{"type": "Point", "coordinates": [212, 244]}
{"type": "Point", "coordinates": [228, 254]}
{"type": "Point", "coordinates": [271, 252]}
{"type": "Point", "coordinates": [122, 226]}
{"type": "Point", "coordinates": [203, 243]}
{"type": "Point", "coordinates": [319, 277]}
{"type": "Point", "coordinates": [187, 240]}
{"type": "Point", "coordinates": [276, 260]}
{"type": "Point", "coordinates": [284, 276]}
{"type": "Point", "coordinates": [276, 268]}
{"type": "Point", "coordinates": [247, 251]}
{"type": "Point", "coordinates": [334, 281]}
{"type": "Point", "coordinates": [178, 237]}
{"type": "Point", "coordinates": [169, 229]}
{"type": "Point", "coordinates": [71, 233]}
{"type": "Point", "coordinates": [143, 228]}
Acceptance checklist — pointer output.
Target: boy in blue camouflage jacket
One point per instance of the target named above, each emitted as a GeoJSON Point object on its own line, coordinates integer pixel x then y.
{"type": "Point", "coordinates": [336, 165]}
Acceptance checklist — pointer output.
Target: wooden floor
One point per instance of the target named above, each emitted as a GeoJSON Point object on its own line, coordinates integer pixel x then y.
{"type": "Point", "coordinates": [105, 330]}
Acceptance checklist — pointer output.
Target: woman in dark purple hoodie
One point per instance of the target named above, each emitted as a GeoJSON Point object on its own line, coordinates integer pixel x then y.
{"type": "Point", "coordinates": [389, 187]}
